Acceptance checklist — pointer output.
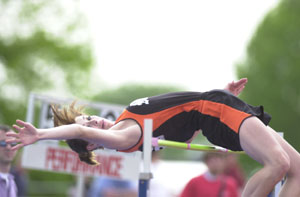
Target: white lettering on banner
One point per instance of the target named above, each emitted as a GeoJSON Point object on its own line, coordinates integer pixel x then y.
{"type": "Point", "coordinates": [64, 160]}
{"type": "Point", "coordinates": [59, 159]}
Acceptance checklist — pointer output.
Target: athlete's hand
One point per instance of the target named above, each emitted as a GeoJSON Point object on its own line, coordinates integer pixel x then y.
{"type": "Point", "coordinates": [236, 87]}
{"type": "Point", "coordinates": [27, 134]}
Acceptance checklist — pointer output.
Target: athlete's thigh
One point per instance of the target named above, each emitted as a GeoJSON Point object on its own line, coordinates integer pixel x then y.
{"type": "Point", "coordinates": [258, 142]}
{"type": "Point", "coordinates": [292, 153]}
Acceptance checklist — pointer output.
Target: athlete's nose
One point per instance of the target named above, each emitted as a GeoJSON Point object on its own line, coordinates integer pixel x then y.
{"type": "Point", "coordinates": [94, 122]}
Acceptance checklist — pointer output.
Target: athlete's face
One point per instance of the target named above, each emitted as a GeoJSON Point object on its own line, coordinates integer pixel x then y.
{"type": "Point", "coordinates": [94, 122]}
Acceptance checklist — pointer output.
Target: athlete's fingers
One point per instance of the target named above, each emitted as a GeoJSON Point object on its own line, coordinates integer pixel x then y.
{"type": "Point", "coordinates": [17, 128]}
{"type": "Point", "coordinates": [16, 147]}
{"type": "Point", "coordinates": [243, 80]}
{"type": "Point", "coordinates": [13, 140]}
{"type": "Point", "coordinates": [21, 123]}
{"type": "Point", "coordinates": [237, 85]}
{"type": "Point", "coordinates": [240, 82]}
{"type": "Point", "coordinates": [240, 88]}
{"type": "Point", "coordinates": [12, 134]}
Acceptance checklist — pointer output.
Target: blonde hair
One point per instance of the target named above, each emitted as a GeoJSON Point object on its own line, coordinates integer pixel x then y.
{"type": "Point", "coordinates": [65, 116]}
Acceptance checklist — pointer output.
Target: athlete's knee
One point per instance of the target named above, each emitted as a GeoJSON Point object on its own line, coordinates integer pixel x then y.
{"type": "Point", "coordinates": [294, 170]}
{"type": "Point", "coordinates": [280, 164]}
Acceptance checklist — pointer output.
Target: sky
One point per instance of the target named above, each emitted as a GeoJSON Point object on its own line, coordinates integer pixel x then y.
{"type": "Point", "coordinates": [192, 44]}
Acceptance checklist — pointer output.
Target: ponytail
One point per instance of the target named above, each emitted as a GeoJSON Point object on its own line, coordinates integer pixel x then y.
{"type": "Point", "coordinates": [79, 146]}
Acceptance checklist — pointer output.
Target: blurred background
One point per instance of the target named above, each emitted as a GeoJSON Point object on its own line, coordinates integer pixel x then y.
{"type": "Point", "coordinates": [117, 51]}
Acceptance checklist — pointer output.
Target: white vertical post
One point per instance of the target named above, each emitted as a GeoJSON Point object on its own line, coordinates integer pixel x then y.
{"type": "Point", "coordinates": [80, 185]}
{"type": "Point", "coordinates": [30, 109]}
{"type": "Point", "coordinates": [147, 146]}
{"type": "Point", "coordinates": [145, 174]}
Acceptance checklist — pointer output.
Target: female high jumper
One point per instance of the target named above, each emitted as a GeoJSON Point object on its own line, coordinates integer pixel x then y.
{"type": "Point", "coordinates": [224, 120]}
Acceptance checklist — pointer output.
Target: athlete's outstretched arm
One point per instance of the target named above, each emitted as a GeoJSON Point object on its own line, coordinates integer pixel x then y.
{"type": "Point", "coordinates": [236, 87]}
{"type": "Point", "coordinates": [113, 139]}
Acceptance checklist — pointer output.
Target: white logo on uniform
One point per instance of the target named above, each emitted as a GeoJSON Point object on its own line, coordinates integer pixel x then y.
{"type": "Point", "coordinates": [140, 101]}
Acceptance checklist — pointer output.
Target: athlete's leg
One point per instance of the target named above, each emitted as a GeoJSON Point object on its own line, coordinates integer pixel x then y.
{"type": "Point", "coordinates": [291, 186]}
{"type": "Point", "coordinates": [262, 145]}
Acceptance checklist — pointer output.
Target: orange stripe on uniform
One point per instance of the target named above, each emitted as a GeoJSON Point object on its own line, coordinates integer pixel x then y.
{"type": "Point", "coordinates": [227, 115]}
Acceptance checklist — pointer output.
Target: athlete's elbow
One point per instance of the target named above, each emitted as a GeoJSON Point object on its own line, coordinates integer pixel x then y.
{"type": "Point", "coordinates": [125, 143]}
{"type": "Point", "coordinates": [80, 131]}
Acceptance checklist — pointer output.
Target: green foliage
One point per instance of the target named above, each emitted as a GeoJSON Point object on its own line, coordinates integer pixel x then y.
{"type": "Point", "coordinates": [42, 183]}
{"type": "Point", "coordinates": [41, 51]}
{"type": "Point", "coordinates": [35, 58]}
{"type": "Point", "coordinates": [272, 66]}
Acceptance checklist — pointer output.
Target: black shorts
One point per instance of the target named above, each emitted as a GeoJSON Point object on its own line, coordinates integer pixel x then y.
{"type": "Point", "coordinates": [220, 132]}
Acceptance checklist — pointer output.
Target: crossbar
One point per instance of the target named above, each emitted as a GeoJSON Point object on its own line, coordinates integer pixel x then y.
{"type": "Point", "coordinates": [197, 147]}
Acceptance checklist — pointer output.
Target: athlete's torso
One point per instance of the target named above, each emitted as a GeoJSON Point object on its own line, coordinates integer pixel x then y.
{"type": "Point", "coordinates": [175, 115]}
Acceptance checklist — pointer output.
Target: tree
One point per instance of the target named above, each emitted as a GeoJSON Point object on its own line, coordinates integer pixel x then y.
{"type": "Point", "coordinates": [41, 49]}
{"type": "Point", "coordinates": [272, 65]}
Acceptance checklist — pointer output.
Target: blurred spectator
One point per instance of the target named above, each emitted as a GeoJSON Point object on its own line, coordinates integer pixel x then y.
{"type": "Point", "coordinates": [8, 186]}
{"type": "Point", "coordinates": [21, 177]}
{"type": "Point", "coordinates": [212, 183]}
{"type": "Point", "coordinates": [108, 187]}
{"type": "Point", "coordinates": [234, 170]}
{"type": "Point", "coordinates": [73, 190]}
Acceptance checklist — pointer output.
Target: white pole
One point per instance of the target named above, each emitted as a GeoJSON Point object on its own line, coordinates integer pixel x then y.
{"type": "Point", "coordinates": [145, 174]}
{"type": "Point", "coordinates": [30, 108]}
{"type": "Point", "coordinates": [80, 185]}
{"type": "Point", "coordinates": [147, 146]}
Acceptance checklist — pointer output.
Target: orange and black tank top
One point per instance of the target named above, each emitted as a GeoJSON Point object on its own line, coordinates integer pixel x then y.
{"type": "Point", "coordinates": [176, 116]}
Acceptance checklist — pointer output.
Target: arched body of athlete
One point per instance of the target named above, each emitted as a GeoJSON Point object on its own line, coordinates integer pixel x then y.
{"type": "Point", "coordinates": [223, 118]}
